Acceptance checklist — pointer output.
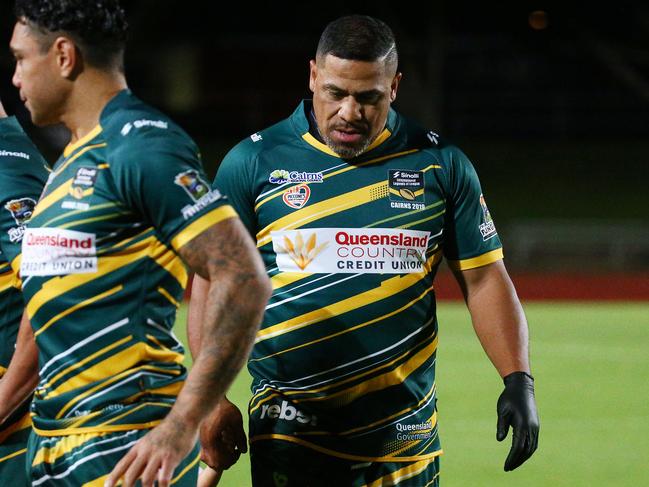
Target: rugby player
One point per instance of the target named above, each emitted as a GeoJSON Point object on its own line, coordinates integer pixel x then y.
{"type": "Point", "coordinates": [353, 207]}
{"type": "Point", "coordinates": [23, 173]}
{"type": "Point", "coordinates": [124, 217]}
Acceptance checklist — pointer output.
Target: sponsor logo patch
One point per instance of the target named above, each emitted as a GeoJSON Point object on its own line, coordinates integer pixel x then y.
{"type": "Point", "coordinates": [56, 251]}
{"type": "Point", "coordinates": [281, 176]}
{"type": "Point", "coordinates": [159, 124]}
{"type": "Point", "coordinates": [297, 196]}
{"type": "Point", "coordinates": [413, 432]}
{"type": "Point", "coordinates": [406, 189]}
{"type": "Point", "coordinates": [83, 183]}
{"type": "Point", "coordinates": [351, 250]}
{"type": "Point", "coordinates": [198, 190]}
{"type": "Point", "coordinates": [487, 227]}
{"type": "Point", "coordinates": [6, 153]}
{"type": "Point", "coordinates": [256, 137]}
{"type": "Point", "coordinates": [21, 210]}
{"type": "Point", "coordinates": [286, 412]}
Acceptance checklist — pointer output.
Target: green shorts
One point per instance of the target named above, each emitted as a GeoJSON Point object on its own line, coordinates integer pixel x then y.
{"type": "Point", "coordinates": [86, 460]}
{"type": "Point", "coordinates": [277, 463]}
{"type": "Point", "coordinates": [13, 449]}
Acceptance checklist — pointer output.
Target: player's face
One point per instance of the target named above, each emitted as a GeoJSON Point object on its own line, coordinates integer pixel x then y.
{"type": "Point", "coordinates": [36, 76]}
{"type": "Point", "coordinates": [351, 100]}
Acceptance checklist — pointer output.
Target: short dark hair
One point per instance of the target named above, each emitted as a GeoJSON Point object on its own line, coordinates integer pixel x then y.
{"type": "Point", "coordinates": [359, 38]}
{"type": "Point", "coordinates": [98, 27]}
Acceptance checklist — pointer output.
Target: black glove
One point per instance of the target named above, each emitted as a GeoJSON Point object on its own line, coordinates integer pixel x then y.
{"type": "Point", "coordinates": [517, 408]}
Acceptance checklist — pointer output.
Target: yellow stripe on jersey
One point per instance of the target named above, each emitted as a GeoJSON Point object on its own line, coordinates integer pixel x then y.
{"type": "Point", "coordinates": [89, 220]}
{"type": "Point", "coordinates": [203, 223]}
{"type": "Point", "coordinates": [117, 365]}
{"type": "Point", "coordinates": [383, 381]}
{"type": "Point", "coordinates": [285, 278]}
{"type": "Point", "coordinates": [69, 214]}
{"type": "Point", "coordinates": [55, 196]}
{"type": "Point", "coordinates": [22, 423]}
{"type": "Point", "coordinates": [172, 388]}
{"type": "Point", "coordinates": [60, 169]}
{"type": "Point", "coordinates": [83, 362]}
{"type": "Point", "coordinates": [7, 281]}
{"type": "Point", "coordinates": [97, 429]}
{"type": "Point", "coordinates": [111, 380]}
{"type": "Point", "coordinates": [398, 476]}
{"type": "Point", "coordinates": [350, 167]}
{"type": "Point", "coordinates": [347, 330]}
{"type": "Point", "coordinates": [319, 210]}
{"type": "Point", "coordinates": [388, 288]}
{"type": "Point", "coordinates": [187, 468]}
{"type": "Point", "coordinates": [428, 218]}
{"type": "Point", "coordinates": [406, 214]}
{"type": "Point", "coordinates": [13, 455]}
{"type": "Point", "coordinates": [148, 247]}
{"type": "Point", "coordinates": [70, 148]}
{"type": "Point", "coordinates": [345, 456]}
{"type": "Point", "coordinates": [61, 448]}
{"type": "Point", "coordinates": [77, 306]}
{"type": "Point", "coordinates": [479, 261]}
{"type": "Point", "coordinates": [168, 296]}
{"type": "Point", "coordinates": [395, 415]}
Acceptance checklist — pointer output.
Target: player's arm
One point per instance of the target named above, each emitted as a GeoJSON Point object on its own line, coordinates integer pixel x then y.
{"type": "Point", "coordinates": [235, 300]}
{"type": "Point", "coordinates": [21, 377]}
{"type": "Point", "coordinates": [222, 436]}
{"type": "Point", "coordinates": [500, 324]}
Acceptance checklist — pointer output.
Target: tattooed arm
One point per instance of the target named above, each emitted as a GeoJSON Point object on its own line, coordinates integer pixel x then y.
{"type": "Point", "coordinates": [238, 291]}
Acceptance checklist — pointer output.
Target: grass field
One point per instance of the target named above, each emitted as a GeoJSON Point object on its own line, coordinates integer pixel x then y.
{"type": "Point", "coordinates": [591, 364]}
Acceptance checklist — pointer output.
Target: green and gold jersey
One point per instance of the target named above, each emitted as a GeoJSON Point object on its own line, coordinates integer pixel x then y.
{"type": "Point", "coordinates": [345, 360]}
{"type": "Point", "coordinates": [101, 275]}
{"type": "Point", "coordinates": [23, 173]}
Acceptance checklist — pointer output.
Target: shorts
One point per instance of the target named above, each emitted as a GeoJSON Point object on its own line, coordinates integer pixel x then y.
{"type": "Point", "coordinates": [13, 449]}
{"type": "Point", "coordinates": [86, 460]}
{"type": "Point", "coordinates": [277, 463]}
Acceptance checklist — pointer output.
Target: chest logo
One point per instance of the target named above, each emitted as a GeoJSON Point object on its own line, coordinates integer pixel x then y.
{"type": "Point", "coordinates": [83, 183]}
{"type": "Point", "coordinates": [281, 176]}
{"type": "Point", "coordinates": [297, 196]}
{"type": "Point", "coordinates": [406, 189]}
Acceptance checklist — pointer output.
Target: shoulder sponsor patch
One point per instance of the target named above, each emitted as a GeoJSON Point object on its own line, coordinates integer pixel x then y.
{"type": "Point", "coordinates": [281, 176]}
{"type": "Point", "coordinates": [487, 227]}
{"type": "Point", "coordinates": [198, 190]}
{"type": "Point", "coordinates": [159, 124]}
{"type": "Point", "coordinates": [406, 189]}
{"type": "Point", "coordinates": [297, 196]}
{"type": "Point", "coordinates": [6, 153]}
{"type": "Point", "coordinates": [351, 250]}
{"type": "Point", "coordinates": [21, 210]}
{"type": "Point", "coordinates": [57, 251]}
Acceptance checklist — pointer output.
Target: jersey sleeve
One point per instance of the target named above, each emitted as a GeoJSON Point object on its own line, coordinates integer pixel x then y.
{"type": "Point", "coordinates": [160, 177]}
{"type": "Point", "coordinates": [234, 178]}
{"type": "Point", "coordinates": [471, 239]}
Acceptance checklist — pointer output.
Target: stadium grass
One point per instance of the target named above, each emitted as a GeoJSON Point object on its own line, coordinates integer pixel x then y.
{"type": "Point", "coordinates": [591, 365]}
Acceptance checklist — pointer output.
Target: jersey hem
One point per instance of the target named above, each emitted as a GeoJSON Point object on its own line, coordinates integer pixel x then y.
{"type": "Point", "coordinates": [345, 456]}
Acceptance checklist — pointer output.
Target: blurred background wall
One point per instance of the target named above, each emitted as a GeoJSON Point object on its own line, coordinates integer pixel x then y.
{"type": "Point", "coordinates": [550, 100]}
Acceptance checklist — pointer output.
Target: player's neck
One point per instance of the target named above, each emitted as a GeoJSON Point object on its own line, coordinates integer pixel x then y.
{"type": "Point", "coordinates": [91, 93]}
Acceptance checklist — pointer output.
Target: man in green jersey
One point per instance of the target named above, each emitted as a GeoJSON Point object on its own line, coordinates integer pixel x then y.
{"type": "Point", "coordinates": [352, 207]}
{"type": "Point", "coordinates": [105, 258]}
{"type": "Point", "coordinates": [23, 173]}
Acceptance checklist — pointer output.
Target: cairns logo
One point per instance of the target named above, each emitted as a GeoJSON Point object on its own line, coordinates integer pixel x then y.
{"type": "Point", "coordinates": [487, 228]}
{"type": "Point", "coordinates": [281, 176]}
{"type": "Point", "coordinates": [192, 183]}
{"type": "Point", "coordinates": [21, 209]}
{"type": "Point", "coordinates": [300, 251]}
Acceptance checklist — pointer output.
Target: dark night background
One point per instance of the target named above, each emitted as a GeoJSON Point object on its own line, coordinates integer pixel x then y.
{"type": "Point", "coordinates": [552, 107]}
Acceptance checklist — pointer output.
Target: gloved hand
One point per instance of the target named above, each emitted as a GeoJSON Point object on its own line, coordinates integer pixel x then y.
{"type": "Point", "coordinates": [517, 408]}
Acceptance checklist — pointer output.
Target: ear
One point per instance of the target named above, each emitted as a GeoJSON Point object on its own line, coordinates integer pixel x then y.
{"type": "Point", "coordinates": [394, 87]}
{"type": "Point", "coordinates": [67, 57]}
{"type": "Point", "coordinates": [313, 74]}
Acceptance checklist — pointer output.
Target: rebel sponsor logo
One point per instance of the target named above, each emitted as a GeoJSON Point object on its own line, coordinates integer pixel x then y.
{"type": "Point", "coordinates": [487, 227]}
{"type": "Point", "coordinates": [406, 189]}
{"type": "Point", "coordinates": [297, 196]}
{"type": "Point", "coordinates": [351, 250]}
{"type": "Point", "coordinates": [286, 412]}
{"type": "Point", "coordinates": [56, 251]}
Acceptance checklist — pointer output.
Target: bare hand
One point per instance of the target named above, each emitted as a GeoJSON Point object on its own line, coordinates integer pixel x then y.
{"type": "Point", "coordinates": [209, 478]}
{"type": "Point", "coordinates": [3, 114]}
{"type": "Point", "coordinates": [223, 439]}
{"type": "Point", "coordinates": [155, 456]}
